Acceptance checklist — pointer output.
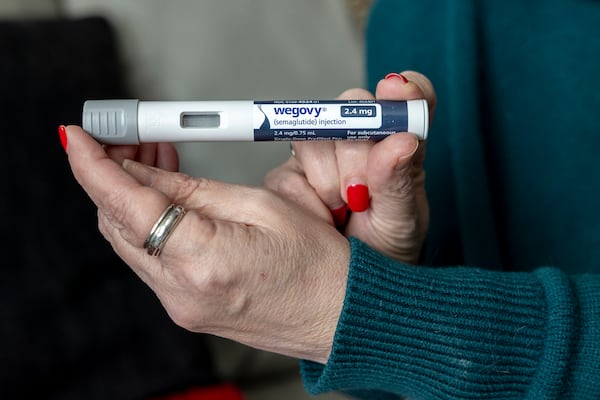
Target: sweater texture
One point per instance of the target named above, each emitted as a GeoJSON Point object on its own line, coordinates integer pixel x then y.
{"type": "Point", "coordinates": [506, 301]}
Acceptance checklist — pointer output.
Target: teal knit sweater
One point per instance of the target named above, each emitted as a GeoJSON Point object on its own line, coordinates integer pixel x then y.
{"type": "Point", "coordinates": [506, 303]}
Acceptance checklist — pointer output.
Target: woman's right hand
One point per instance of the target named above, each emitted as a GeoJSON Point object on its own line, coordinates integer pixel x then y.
{"type": "Point", "coordinates": [244, 263]}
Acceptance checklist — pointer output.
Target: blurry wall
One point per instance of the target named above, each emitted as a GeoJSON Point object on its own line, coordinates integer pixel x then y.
{"type": "Point", "coordinates": [234, 49]}
{"type": "Point", "coordinates": [28, 8]}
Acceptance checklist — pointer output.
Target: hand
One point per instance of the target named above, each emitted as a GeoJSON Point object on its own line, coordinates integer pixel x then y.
{"type": "Point", "coordinates": [382, 183]}
{"type": "Point", "coordinates": [244, 263]}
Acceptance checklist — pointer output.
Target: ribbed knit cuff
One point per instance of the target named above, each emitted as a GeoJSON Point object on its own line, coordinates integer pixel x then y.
{"type": "Point", "coordinates": [433, 332]}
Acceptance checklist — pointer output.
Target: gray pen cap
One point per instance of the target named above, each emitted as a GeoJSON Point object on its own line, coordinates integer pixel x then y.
{"type": "Point", "coordinates": [112, 121]}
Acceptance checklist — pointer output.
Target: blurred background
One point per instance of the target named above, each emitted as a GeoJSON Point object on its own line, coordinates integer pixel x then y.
{"type": "Point", "coordinates": [57, 331]}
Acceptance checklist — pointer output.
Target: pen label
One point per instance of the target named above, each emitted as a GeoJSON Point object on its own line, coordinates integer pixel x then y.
{"type": "Point", "coordinates": [316, 120]}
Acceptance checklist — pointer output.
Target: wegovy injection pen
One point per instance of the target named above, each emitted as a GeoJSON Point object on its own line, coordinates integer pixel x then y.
{"type": "Point", "coordinates": [135, 121]}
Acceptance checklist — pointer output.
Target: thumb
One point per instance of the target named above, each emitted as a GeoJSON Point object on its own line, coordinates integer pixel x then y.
{"type": "Point", "coordinates": [399, 215]}
{"type": "Point", "coordinates": [391, 167]}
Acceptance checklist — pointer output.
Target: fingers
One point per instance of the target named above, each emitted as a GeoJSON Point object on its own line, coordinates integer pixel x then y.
{"type": "Point", "coordinates": [319, 164]}
{"type": "Point", "coordinates": [353, 157]}
{"type": "Point", "coordinates": [398, 213]}
{"type": "Point", "coordinates": [126, 209]}
{"type": "Point", "coordinates": [405, 150]}
{"type": "Point", "coordinates": [167, 157]}
{"type": "Point", "coordinates": [408, 85]}
{"type": "Point", "coordinates": [116, 193]}
{"type": "Point", "coordinates": [120, 153]}
{"type": "Point", "coordinates": [352, 163]}
{"type": "Point", "coordinates": [213, 200]}
{"type": "Point", "coordinates": [338, 170]}
{"type": "Point", "coordinates": [132, 195]}
{"type": "Point", "coordinates": [322, 164]}
{"type": "Point", "coordinates": [390, 169]}
{"type": "Point", "coordinates": [161, 155]}
{"type": "Point", "coordinates": [101, 177]}
{"type": "Point", "coordinates": [290, 181]}
{"type": "Point", "coordinates": [332, 165]}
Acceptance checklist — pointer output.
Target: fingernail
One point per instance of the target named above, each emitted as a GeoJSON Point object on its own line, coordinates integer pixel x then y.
{"type": "Point", "coordinates": [394, 75]}
{"type": "Point", "coordinates": [340, 215]}
{"type": "Point", "coordinates": [62, 134]}
{"type": "Point", "coordinates": [358, 197]}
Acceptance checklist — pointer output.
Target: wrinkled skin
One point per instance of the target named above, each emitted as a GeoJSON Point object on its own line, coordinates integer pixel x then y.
{"type": "Point", "coordinates": [263, 266]}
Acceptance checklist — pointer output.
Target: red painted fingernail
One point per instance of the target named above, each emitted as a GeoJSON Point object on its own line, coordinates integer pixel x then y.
{"type": "Point", "coordinates": [62, 133]}
{"type": "Point", "coordinates": [393, 75]}
{"type": "Point", "coordinates": [358, 197]}
{"type": "Point", "coordinates": [340, 215]}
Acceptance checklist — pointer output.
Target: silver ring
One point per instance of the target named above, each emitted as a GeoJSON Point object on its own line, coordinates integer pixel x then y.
{"type": "Point", "coordinates": [162, 229]}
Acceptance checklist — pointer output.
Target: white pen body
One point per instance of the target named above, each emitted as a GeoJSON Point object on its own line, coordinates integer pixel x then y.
{"type": "Point", "coordinates": [134, 121]}
{"type": "Point", "coordinates": [195, 121]}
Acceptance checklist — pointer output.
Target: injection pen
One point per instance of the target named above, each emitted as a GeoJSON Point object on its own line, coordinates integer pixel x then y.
{"type": "Point", "coordinates": [133, 121]}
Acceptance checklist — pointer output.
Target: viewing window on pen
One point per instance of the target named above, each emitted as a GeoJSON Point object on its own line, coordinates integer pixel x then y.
{"type": "Point", "coordinates": [200, 120]}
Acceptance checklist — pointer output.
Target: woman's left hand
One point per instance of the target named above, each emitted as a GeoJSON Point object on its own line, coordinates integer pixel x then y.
{"type": "Point", "coordinates": [382, 183]}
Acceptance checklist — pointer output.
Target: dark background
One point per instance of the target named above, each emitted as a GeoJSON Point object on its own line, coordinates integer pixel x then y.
{"type": "Point", "coordinates": [75, 322]}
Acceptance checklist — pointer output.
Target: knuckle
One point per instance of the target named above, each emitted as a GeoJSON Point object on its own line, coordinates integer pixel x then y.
{"type": "Point", "coordinates": [327, 190]}
{"type": "Point", "coordinates": [117, 206]}
{"type": "Point", "coordinates": [292, 186]}
{"type": "Point", "coordinates": [404, 187]}
{"type": "Point", "coordinates": [274, 177]}
{"type": "Point", "coordinates": [185, 186]}
{"type": "Point", "coordinates": [183, 317]}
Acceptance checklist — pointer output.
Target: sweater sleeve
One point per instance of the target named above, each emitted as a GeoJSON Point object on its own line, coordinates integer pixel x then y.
{"type": "Point", "coordinates": [462, 332]}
